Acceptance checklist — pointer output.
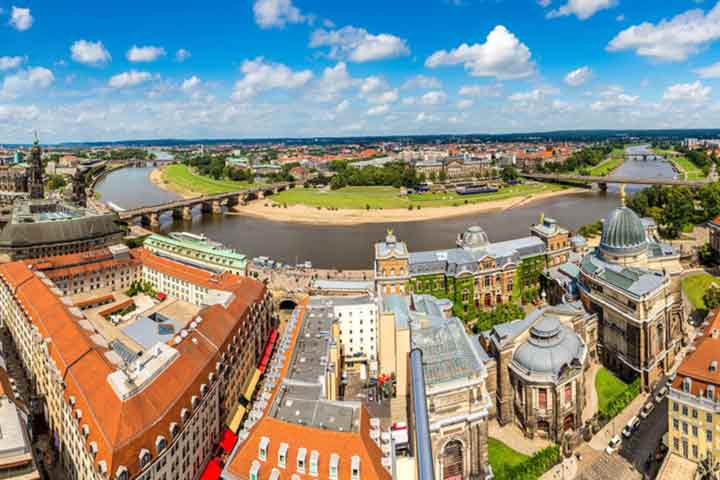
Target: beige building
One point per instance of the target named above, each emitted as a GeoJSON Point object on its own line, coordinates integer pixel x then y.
{"type": "Point", "coordinates": [135, 387]}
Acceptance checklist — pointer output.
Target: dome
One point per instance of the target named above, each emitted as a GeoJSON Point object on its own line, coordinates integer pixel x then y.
{"type": "Point", "coordinates": [474, 237]}
{"type": "Point", "coordinates": [623, 233]}
{"type": "Point", "coordinates": [549, 348]}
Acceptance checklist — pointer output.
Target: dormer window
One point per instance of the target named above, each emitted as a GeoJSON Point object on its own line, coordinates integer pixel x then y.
{"type": "Point", "coordinates": [78, 414]}
{"type": "Point", "coordinates": [184, 415]}
{"type": "Point", "coordinates": [255, 470]}
{"type": "Point", "coordinates": [211, 377]}
{"type": "Point", "coordinates": [102, 467]}
{"type": "Point", "coordinates": [334, 466]}
{"type": "Point", "coordinates": [710, 392]}
{"type": "Point", "coordinates": [263, 448]}
{"type": "Point", "coordinates": [282, 455]}
{"type": "Point", "coordinates": [85, 430]}
{"type": "Point", "coordinates": [194, 402]}
{"type": "Point", "coordinates": [160, 443]}
{"type": "Point", "coordinates": [687, 385]}
{"type": "Point", "coordinates": [122, 473]}
{"type": "Point", "coordinates": [713, 366]}
{"type": "Point", "coordinates": [203, 389]}
{"type": "Point", "coordinates": [314, 461]}
{"type": "Point", "coordinates": [302, 453]}
{"type": "Point", "coordinates": [174, 429]}
{"type": "Point", "coordinates": [355, 468]}
{"type": "Point", "coordinates": [93, 448]}
{"type": "Point", "coordinates": [144, 457]}
{"type": "Point", "coordinates": [71, 400]}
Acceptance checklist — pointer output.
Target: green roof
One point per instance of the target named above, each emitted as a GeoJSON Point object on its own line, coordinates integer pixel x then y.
{"type": "Point", "coordinates": [234, 259]}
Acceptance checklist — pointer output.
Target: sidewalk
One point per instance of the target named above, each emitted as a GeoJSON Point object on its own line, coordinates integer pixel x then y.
{"type": "Point", "coordinates": [566, 470]}
{"type": "Point", "coordinates": [615, 426]}
{"type": "Point", "coordinates": [592, 397]}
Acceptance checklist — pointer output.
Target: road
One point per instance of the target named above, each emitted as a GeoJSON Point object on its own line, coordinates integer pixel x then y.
{"type": "Point", "coordinates": [643, 443]}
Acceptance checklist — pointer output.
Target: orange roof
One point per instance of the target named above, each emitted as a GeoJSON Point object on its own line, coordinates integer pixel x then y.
{"type": "Point", "coordinates": [325, 442]}
{"type": "Point", "coordinates": [697, 363]}
{"type": "Point", "coordinates": [120, 429]}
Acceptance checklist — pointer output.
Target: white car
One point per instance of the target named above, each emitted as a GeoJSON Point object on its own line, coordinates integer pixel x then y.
{"type": "Point", "coordinates": [630, 427]}
{"type": "Point", "coordinates": [647, 410]}
{"type": "Point", "coordinates": [661, 394]}
{"type": "Point", "coordinates": [613, 445]}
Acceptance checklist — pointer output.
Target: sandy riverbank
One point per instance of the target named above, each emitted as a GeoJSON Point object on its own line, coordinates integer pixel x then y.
{"type": "Point", "coordinates": [156, 178]}
{"type": "Point", "coordinates": [304, 214]}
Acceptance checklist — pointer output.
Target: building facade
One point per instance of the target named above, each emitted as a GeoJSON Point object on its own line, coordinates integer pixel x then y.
{"type": "Point", "coordinates": [199, 251]}
{"type": "Point", "coordinates": [117, 406]}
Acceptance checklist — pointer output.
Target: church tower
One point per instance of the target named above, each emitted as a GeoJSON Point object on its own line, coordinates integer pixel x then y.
{"type": "Point", "coordinates": [36, 187]}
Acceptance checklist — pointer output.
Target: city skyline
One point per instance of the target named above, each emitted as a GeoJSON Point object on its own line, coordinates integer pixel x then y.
{"type": "Point", "coordinates": [102, 73]}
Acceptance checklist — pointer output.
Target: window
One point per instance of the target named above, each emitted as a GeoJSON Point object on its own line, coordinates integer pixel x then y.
{"type": "Point", "coordinates": [694, 430]}
{"type": "Point", "coordinates": [694, 413]}
{"type": "Point", "coordinates": [144, 458]}
{"type": "Point", "coordinates": [282, 455]}
{"type": "Point", "coordinates": [334, 466]}
{"type": "Point", "coordinates": [685, 429]}
{"type": "Point", "coordinates": [685, 410]}
{"type": "Point", "coordinates": [694, 451]}
{"type": "Point", "coordinates": [542, 398]}
{"type": "Point", "coordinates": [687, 385]}
{"type": "Point", "coordinates": [263, 448]}
{"type": "Point", "coordinates": [254, 470]}
{"type": "Point", "coordinates": [355, 468]}
{"type": "Point", "coordinates": [676, 444]}
{"type": "Point", "coordinates": [675, 406]}
{"type": "Point", "coordinates": [301, 460]}
{"type": "Point", "coordinates": [676, 424]}
{"type": "Point", "coordinates": [708, 417]}
{"type": "Point", "coordinates": [708, 435]}
{"type": "Point", "coordinates": [568, 393]}
{"type": "Point", "coordinates": [314, 461]}
{"type": "Point", "coordinates": [160, 443]}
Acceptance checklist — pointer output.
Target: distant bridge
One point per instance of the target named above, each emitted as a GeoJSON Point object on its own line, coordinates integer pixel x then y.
{"type": "Point", "coordinates": [603, 181]}
{"type": "Point", "coordinates": [183, 209]}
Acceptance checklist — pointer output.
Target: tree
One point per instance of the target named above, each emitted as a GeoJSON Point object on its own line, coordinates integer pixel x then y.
{"type": "Point", "coordinates": [706, 255]}
{"type": "Point", "coordinates": [712, 298]}
{"type": "Point", "coordinates": [708, 468]}
{"type": "Point", "coordinates": [443, 176]}
{"type": "Point", "coordinates": [509, 173]}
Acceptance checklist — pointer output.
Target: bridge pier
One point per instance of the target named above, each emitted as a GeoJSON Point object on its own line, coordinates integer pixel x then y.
{"type": "Point", "coordinates": [151, 219]}
{"type": "Point", "coordinates": [260, 195]}
{"type": "Point", "coordinates": [602, 186]}
{"type": "Point", "coordinates": [217, 207]}
{"type": "Point", "coordinates": [206, 207]}
{"type": "Point", "coordinates": [187, 213]}
{"type": "Point", "coordinates": [177, 214]}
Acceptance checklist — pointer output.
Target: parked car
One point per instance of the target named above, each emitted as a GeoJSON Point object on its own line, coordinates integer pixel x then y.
{"type": "Point", "coordinates": [647, 410]}
{"type": "Point", "coordinates": [661, 394]}
{"type": "Point", "coordinates": [613, 444]}
{"type": "Point", "coordinates": [631, 426]}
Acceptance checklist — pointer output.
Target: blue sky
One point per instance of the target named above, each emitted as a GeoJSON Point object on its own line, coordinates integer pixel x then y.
{"type": "Point", "coordinates": [88, 70]}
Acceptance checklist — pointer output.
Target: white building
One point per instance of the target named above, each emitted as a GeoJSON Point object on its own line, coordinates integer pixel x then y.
{"type": "Point", "coordinates": [357, 319]}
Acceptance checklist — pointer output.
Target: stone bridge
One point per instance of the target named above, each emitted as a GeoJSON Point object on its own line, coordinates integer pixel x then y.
{"type": "Point", "coordinates": [213, 204]}
{"type": "Point", "coordinates": [602, 182]}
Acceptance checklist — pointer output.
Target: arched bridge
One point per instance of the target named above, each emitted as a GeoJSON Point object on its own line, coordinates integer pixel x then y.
{"type": "Point", "coordinates": [603, 181]}
{"type": "Point", "coordinates": [183, 209]}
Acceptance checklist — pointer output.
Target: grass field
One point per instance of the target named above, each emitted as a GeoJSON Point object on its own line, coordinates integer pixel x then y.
{"type": "Point", "coordinates": [682, 164]}
{"type": "Point", "coordinates": [501, 456]}
{"type": "Point", "coordinates": [695, 287]}
{"type": "Point", "coordinates": [607, 166]}
{"type": "Point", "coordinates": [181, 176]}
{"type": "Point", "coordinates": [390, 198]}
{"type": "Point", "coordinates": [607, 386]}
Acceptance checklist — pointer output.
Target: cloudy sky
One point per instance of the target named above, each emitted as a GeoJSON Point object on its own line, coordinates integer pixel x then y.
{"type": "Point", "coordinates": [90, 70]}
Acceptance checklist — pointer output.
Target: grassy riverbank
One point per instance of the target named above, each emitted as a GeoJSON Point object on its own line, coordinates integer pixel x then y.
{"type": "Point", "coordinates": [695, 287]}
{"type": "Point", "coordinates": [180, 177]}
{"type": "Point", "coordinates": [685, 166]}
{"type": "Point", "coordinates": [606, 167]}
{"type": "Point", "coordinates": [354, 198]}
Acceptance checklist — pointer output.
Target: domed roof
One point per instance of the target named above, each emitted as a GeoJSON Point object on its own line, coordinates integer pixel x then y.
{"type": "Point", "coordinates": [473, 238]}
{"type": "Point", "coordinates": [623, 233]}
{"type": "Point", "coordinates": [549, 348]}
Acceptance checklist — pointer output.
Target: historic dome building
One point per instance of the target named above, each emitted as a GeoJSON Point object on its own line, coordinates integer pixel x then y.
{"type": "Point", "coordinates": [632, 283]}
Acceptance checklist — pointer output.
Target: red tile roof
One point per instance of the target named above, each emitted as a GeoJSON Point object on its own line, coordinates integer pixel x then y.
{"type": "Point", "coordinates": [696, 365]}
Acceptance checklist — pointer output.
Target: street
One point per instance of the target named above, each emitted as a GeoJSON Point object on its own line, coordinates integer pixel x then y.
{"type": "Point", "coordinates": [643, 443]}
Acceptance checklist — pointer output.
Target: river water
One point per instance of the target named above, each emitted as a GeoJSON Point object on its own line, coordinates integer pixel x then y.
{"type": "Point", "coordinates": [351, 247]}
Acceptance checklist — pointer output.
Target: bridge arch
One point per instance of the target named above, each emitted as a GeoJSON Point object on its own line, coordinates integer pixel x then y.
{"type": "Point", "coordinates": [287, 303]}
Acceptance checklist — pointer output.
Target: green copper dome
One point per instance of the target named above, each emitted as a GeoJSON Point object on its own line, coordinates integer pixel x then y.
{"type": "Point", "coordinates": [623, 233]}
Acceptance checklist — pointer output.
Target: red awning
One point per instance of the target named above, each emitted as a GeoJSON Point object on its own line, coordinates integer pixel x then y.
{"type": "Point", "coordinates": [228, 440]}
{"type": "Point", "coordinates": [268, 351]}
{"type": "Point", "coordinates": [212, 471]}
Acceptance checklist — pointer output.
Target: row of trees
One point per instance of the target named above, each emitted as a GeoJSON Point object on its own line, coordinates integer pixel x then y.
{"type": "Point", "coordinates": [676, 208]}
{"type": "Point", "coordinates": [395, 174]}
{"type": "Point", "coordinates": [582, 159]}
{"type": "Point", "coordinates": [533, 467]}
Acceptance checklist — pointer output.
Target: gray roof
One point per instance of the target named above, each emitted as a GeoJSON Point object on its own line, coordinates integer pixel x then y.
{"type": "Point", "coordinates": [623, 233]}
{"type": "Point", "coordinates": [550, 348]}
{"type": "Point", "coordinates": [346, 285]}
{"type": "Point", "coordinates": [634, 280]}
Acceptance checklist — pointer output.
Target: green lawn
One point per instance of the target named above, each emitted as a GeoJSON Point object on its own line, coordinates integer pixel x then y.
{"type": "Point", "coordinates": [607, 166]}
{"type": "Point", "coordinates": [607, 386]}
{"type": "Point", "coordinates": [682, 164]}
{"type": "Point", "coordinates": [181, 176]}
{"type": "Point", "coordinates": [501, 456]}
{"type": "Point", "coordinates": [389, 197]}
{"type": "Point", "coordinates": [695, 287]}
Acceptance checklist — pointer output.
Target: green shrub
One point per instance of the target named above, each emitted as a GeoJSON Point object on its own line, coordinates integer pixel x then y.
{"type": "Point", "coordinates": [533, 467]}
{"type": "Point", "coordinates": [621, 400]}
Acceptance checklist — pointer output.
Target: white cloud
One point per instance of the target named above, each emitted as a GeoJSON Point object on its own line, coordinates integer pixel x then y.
{"type": "Point", "coordinates": [10, 113]}
{"type": "Point", "coordinates": [502, 56]}
{"type": "Point", "coordinates": [261, 76]}
{"type": "Point", "coordinates": [358, 45]}
{"type": "Point", "coordinates": [436, 97]}
{"type": "Point", "coordinates": [129, 79]}
{"type": "Point", "coordinates": [620, 18]}
{"type": "Point", "coordinates": [27, 81]}
{"type": "Point", "coordinates": [10, 63]}
{"type": "Point", "coordinates": [583, 9]}
{"type": "Point", "coordinates": [276, 13]}
{"type": "Point", "coordinates": [614, 99]}
{"type": "Point", "coordinates": [544, 3]}
{"type": "Point", "coordinates": [711, 71]}
{"type": "Point", "coordinates": [379, 110]}
{"type": "Point", "coordinates": [535, 95]}
{"type": "Point", "coordinates": [421, 82]}
{"type": "Point", "coordinates": [388, 96]}
{"type": "Point", "coordinates": [494, 90]}
{"type": "Point", "coordinates": [342, 106]}
{"type": "Point", "coordinates": [191, 83]}
{"type": "Point", "coordinates": [21, 19]}
{"type": "Point", "coordinates": [144, 54]}
{"type": "Point", "coordinates": [579, 76]}
{"type": "Point", "coordinates": [670, 40]}
{"type": "Point", "coordinates": [695, 93]}
{"type": "Point", "coordinates": [424, 117]}
{"type": "Point", "coordinates": [464, 104]}
{"type": "Point", "coordinates": [89, 53]}
{"type": "Point", "coordinates": [181, 55]}
{"type": "Point", "coordinates": [333, 82]}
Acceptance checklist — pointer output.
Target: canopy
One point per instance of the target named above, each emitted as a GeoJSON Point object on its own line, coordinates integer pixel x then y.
{"type": "Point", "coordinates": [212, 471]}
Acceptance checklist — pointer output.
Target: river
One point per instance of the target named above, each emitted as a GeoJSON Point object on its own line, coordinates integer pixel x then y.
{"type": "Point", "coordinates": [351, 247]}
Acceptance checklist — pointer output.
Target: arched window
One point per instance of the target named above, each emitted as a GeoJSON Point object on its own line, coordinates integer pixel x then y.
{"type": "Point", "coordinates": [452, 460]}
{"type": "Point", "coordinates": [144, 458]}
{"type": "Point", "coordinates": [203, 389]}
{"type": "Point", "coordinates": [174, 430]}
{"type": "Point", "coordinates": [122, 473]}
{"type": "Point", "coordinates": [160, 444]}
{"type": "Point", "coordinates": [184, 415]}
